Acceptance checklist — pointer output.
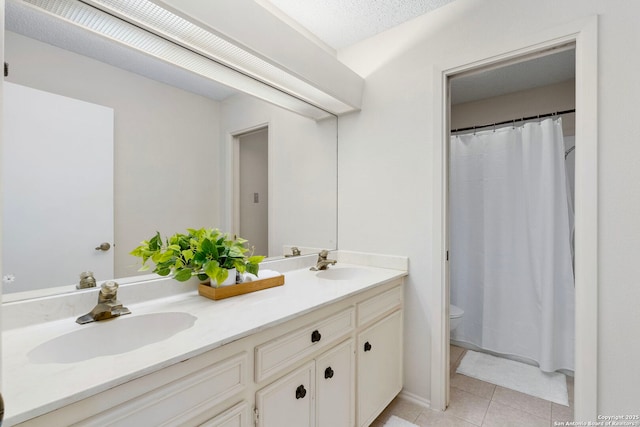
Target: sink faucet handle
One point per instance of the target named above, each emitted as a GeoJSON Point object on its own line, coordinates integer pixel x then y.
{"type": "Point", "coordinates": [109, 288]}
{"type": "Point", "coordinates": [108, 292]}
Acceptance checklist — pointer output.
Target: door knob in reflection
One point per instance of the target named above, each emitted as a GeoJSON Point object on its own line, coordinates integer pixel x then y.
{"type": "Point", "coordinates": [104, 246]}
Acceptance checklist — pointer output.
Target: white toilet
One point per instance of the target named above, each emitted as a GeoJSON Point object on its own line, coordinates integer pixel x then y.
{"type": "Point", "coordinates": [455, 316]}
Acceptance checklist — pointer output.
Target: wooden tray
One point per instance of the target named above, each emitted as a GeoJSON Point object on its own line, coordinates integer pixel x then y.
{"type": "Point", "coordinates": [240, 288]}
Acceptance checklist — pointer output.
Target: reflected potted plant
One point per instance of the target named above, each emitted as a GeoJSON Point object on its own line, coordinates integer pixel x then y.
{"type": "Point", "coordinates": [211, 255]}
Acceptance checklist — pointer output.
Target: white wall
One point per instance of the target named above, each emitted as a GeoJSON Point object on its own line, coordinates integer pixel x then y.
{"type": "Point", "coordinates": [386, 157]}
{"type": "Point", "coordinates": [302, 171]}
{"type": "Point", "coordinates": [157, 127]}
{"type": "Point", "coordinates": [524, 103]}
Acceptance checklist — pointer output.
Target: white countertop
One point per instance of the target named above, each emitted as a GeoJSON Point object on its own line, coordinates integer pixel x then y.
{"type": "Point", "coordinates": [32, 389]}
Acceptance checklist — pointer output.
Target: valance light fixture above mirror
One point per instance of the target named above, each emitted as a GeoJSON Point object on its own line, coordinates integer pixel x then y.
{"type": "Point", "coordinates": [157, 32]}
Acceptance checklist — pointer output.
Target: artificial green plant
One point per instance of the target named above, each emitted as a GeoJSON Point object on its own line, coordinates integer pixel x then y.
{"type": "Point", "coordinates": [206, 253]}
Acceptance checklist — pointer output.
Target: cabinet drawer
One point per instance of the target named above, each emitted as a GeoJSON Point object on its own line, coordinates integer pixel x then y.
{"type": "Point", "coordinates": [380, 304]}
{"type": "Point", "coordinates": [279, 354]}
{"type": "Point", "coordinates": [181, 400]}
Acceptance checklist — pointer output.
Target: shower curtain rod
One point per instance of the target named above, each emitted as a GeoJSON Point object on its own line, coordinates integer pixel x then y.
{"type": "Point", "coordinates": [514, 121]}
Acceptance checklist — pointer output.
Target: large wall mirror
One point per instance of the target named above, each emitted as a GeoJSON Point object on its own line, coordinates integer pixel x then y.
{"type": "Point", "coordinates": [185, 153]}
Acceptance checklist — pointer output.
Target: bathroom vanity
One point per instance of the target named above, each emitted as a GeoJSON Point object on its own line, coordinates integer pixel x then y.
{"type": "Point", "coordinates": [325, 349]}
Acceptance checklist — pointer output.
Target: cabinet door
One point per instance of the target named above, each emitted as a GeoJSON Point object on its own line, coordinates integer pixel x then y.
{"type": "Point", "coordinates": [288, 402]}
{"type": "Point", "coordinates": [335, 384]}
{"type": "Point", "coordinates": [379, 366]}
{"type": "Point", "coordinates": [238, 416]}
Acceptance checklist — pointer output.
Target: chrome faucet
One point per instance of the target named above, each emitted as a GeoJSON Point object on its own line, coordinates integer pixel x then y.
{"type": "Point", "coordinates": [323, 263]}
{"type": "Point", "coordinates": [108, 305]}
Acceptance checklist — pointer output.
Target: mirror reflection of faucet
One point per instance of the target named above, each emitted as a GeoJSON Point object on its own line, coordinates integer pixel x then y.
{"type": "Point", "coordinates": [86, 280]}
{"type": "Point", "coordinates": [294, 252]}
{"type": "Point", "coordinates": [323, 263]}
{"type": "Point", "coordinates": [108, 305]}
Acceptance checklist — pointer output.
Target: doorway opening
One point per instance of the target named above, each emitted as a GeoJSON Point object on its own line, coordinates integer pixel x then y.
{"type": "Point", "coordinates": [584, 33]}
{"type": "Point", "coordinates": [251, 188]}
{"type": "Point", "coordinates": [510, 205]}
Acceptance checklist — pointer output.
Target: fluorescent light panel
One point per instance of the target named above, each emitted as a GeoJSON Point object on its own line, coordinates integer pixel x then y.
{"type": "Point", "coordinates": [162, 22]}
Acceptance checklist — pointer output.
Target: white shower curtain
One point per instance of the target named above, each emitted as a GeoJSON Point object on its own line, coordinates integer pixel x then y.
{"type": "Point", "coordinates": [511, 267]}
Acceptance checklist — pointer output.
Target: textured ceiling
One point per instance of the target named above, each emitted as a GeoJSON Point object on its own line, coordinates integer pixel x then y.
{"type": "Point", "coordinates": [340, 23]}
{"type": "Point", "coordinates": [542, 71]}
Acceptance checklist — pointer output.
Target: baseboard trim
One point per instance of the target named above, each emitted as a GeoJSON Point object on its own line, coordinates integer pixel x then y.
{"type": "Point", "coordinates": [414, 398]}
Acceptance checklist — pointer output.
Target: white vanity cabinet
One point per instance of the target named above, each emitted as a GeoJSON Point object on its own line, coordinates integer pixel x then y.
{"type": "Point", "coordinates": [320, 393]}
{"type": "Point", "coordinates": [289, 401]}
{"type": "Point", "coordinates": [379, 353]}
{"type": "Point", "coordinates": [238, 416]}
{"type": "Point", "coordinates": [336, 365]}
{"type": "Point", "coordinates": [375, 327]}
{"type": "Point", "coordinates": [379, 366]}
{"type": "Point", "coordinates": [176, 395]}
{"type": "Point", "coordinates": [335, 386]}
{"type": "Point", "coordinates": [281, 353]}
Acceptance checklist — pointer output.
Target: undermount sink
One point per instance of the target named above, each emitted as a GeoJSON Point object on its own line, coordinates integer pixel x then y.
{"type": "Point", "coordinates": [346, 273]}
{"type": "Point", "coordinates": [109, 337]}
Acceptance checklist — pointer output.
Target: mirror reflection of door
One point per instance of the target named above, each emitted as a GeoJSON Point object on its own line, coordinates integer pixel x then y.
{"type": "Point", "coordinates": [57, 172]}
{"type": "Point", "coordinates": [253, 189]}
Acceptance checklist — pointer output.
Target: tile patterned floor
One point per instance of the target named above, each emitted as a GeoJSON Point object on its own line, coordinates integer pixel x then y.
{"type": "Point", "coordinates": [475, 403]}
